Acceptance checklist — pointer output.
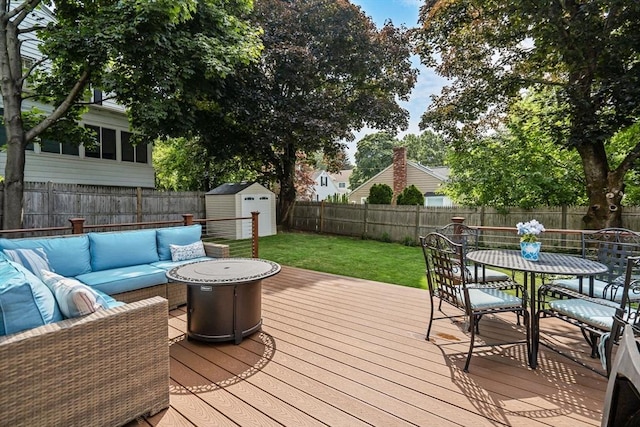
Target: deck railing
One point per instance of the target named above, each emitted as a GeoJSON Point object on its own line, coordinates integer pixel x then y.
{"type": "Point", "coordinates": [240, 234]}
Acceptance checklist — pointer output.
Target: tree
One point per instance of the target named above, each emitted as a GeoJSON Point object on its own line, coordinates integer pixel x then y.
{"type": "Point", "coordinates": [410, 196]}
{"type": "Point", "coordinates": [586, 51]}
{"type": "Point", "coordinates": [140, 52]}
{"type": "Point", "coordinates": [374, 153]}
{"type": "Point", "coordinates": [380, 194]}
{"type": "Point", "coordinates": [183, 164]}
{"type": "Point", "coordinates": [519, 166]}
{"type": "Point", "coordinates": [428, 148]}
{"type": "Point", "coordinates": [325, 71]}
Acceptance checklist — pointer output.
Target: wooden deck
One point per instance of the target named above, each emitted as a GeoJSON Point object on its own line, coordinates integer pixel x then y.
{"type": "Point", "coordinates": [340, 351]}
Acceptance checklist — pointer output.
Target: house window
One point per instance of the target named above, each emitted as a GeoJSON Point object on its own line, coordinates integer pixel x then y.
{"type": "Point", "coordinates": [106, 148]}
{"type": "Point", "coordinates": [3, 135]}
{"type": "Point", "coordinates": [324, 181]}
{"type": "Point", "coordinates": [342, 185]}
{"type": "Point", "coordinates": [130, 152]}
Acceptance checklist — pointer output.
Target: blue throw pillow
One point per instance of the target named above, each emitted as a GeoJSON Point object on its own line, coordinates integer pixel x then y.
{"type": "Point", "coordinates": [25, 302]}
{"type": "Point", "coordinates": [183, 235]}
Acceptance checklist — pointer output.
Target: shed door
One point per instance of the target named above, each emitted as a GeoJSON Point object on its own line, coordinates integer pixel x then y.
{"type": "Point", "coordinates": [260, 203]}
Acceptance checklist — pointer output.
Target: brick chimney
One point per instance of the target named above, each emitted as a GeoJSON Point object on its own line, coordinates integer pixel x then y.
{"type": "Point", "coordinates": [399, 170]}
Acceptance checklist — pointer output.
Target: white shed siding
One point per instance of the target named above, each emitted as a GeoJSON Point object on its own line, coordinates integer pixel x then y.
{"type": "Point", "coordinates": [221, 206]}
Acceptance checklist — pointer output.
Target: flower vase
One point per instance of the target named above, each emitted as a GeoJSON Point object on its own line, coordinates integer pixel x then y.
{"type": "Point", "coordinates": [530, 250]}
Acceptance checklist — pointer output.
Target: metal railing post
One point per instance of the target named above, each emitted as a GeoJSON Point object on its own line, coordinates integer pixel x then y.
{"type": "Point", "coordinates": [254, 234]}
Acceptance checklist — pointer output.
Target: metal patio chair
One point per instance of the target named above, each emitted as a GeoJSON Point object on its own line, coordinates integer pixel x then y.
{"type": "Point", "coordinates": [469, 238]}
{"type": "Point", "coordinates": [449, 280]}
{"type": "Point", "coordinates": [596, 317]}
{"type": "Point", "coordinates": [611, 247]}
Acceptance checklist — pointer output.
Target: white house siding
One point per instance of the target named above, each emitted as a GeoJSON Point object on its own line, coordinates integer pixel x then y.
{"type": "Point", "coordinates": [72, 169]}
{"type": "Point", "coordinates": [321, 192]}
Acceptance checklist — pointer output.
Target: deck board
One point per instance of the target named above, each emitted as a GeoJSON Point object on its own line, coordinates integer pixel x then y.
{"type": "Point", "coordinates": [340, 351]}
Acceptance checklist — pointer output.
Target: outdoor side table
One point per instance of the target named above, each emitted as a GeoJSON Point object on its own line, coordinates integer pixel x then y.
{"type": "Point", "coordinates": [224, 297]}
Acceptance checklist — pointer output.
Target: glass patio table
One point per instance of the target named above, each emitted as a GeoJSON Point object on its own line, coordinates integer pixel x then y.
{"type": "Point", "coordinates": [548, 263]}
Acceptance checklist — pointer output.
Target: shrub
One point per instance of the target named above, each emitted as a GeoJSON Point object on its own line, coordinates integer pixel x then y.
{"type": "Point", "coordinates": [385, 237]}
{"type": "Point", "coordinates": [411, 196]}
{"type": "Point", "coordinates": [380, 194]}
{"type": "Point", "coordinates": [409, 241]}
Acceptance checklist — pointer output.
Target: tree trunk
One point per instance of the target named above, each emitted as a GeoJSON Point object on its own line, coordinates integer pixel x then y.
{"type": "Point", "coordinates": [604, 188]}
{"type": "Point", "coordinates": [287, 195]}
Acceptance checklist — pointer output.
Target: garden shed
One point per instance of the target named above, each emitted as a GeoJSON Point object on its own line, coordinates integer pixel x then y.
{"type": "Point", "coordinates": [238, 200]}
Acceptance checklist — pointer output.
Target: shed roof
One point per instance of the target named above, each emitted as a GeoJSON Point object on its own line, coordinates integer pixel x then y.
{"type": "Point", "coordinates": [230, 188]}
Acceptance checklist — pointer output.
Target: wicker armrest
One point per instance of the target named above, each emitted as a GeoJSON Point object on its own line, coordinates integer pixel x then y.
{"type": "Point", "coordinates": [107, 368]}
{"type": "Point", "coordinates": [216, 250]}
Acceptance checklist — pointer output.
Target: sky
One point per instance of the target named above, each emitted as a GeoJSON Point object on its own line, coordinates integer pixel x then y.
{"type": "Point", "coordinates": [402, 12]}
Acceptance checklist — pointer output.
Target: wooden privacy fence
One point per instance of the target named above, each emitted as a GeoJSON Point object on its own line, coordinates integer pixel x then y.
{"type": "Point", "coordinates": [213, 230]}
{"type": "Point", "coordinates": [48, 204]}
{"type": "Point", "coordinates": [407, 223]}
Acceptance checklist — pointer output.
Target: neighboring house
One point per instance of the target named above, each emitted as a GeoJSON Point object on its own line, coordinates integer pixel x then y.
{"type": "Point", "coordinates": [341, 180]}
{"type": "Point", "coordinates": [116, 162]}
{"type": "Point", "coordinates": [401, 174]}
{"type": "Point", "coordinates": [323, 186]}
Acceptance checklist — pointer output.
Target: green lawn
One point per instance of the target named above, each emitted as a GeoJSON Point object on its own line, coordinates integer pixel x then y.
{"type": "Point", "coordinates": [366, 259]}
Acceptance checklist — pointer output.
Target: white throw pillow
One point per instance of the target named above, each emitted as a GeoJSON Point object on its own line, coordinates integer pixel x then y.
{"type": "Point", "coordinates": [35, 260]}
{"type": "Point", "coordinates": [181, 253]}
{"type": "Point", "coordinates": [73, 297]}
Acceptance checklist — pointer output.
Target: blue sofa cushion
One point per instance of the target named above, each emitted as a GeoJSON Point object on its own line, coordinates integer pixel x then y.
{"type": "Point", "coordinates": [122, 249]}
{"type": "Point", "coordinates": [181, 236]}
{"type": "Point", "coordinates": [25, 302]}
{"type": "Point", "coordinates": [74, 298]}
{"type": "Point", "coordinates": [68, 256]}
{"type": "Point", "coordinates": [168, 265]}
{"type": "Point", "coordinates": [124, 279]}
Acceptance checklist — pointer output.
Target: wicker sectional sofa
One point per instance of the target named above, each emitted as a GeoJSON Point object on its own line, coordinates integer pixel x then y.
{"type": "Point", "coordinates": [105, 368]}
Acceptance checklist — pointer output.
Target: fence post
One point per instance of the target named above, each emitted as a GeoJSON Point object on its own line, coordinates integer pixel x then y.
{"type": "Point", "coordinates": [364, 223]}
{"type": "Point", "coordinates": [417, 233]}
{"type": "Point", "coordinates": [187, 219]}
{"type": "Point", "coordinates": [139, 204]}
{"type": "Point", "coordinates": [254, 234]}
{"type": "Point", "coordinates": [321, 217]}
{"type": "Point", "coordinates": [457, 227]}
{"type": "Point", "coordinates": [77, 225]}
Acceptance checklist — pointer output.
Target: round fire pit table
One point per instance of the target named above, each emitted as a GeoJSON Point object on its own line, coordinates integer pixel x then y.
{"type": "Point", "coordinates": [224, 296]}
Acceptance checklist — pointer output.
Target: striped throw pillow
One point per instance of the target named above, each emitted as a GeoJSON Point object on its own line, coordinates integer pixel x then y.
{"type": "Point", "coordinates": [73, 297]}
{"type": "Point", "coordinates": [35, 260]}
